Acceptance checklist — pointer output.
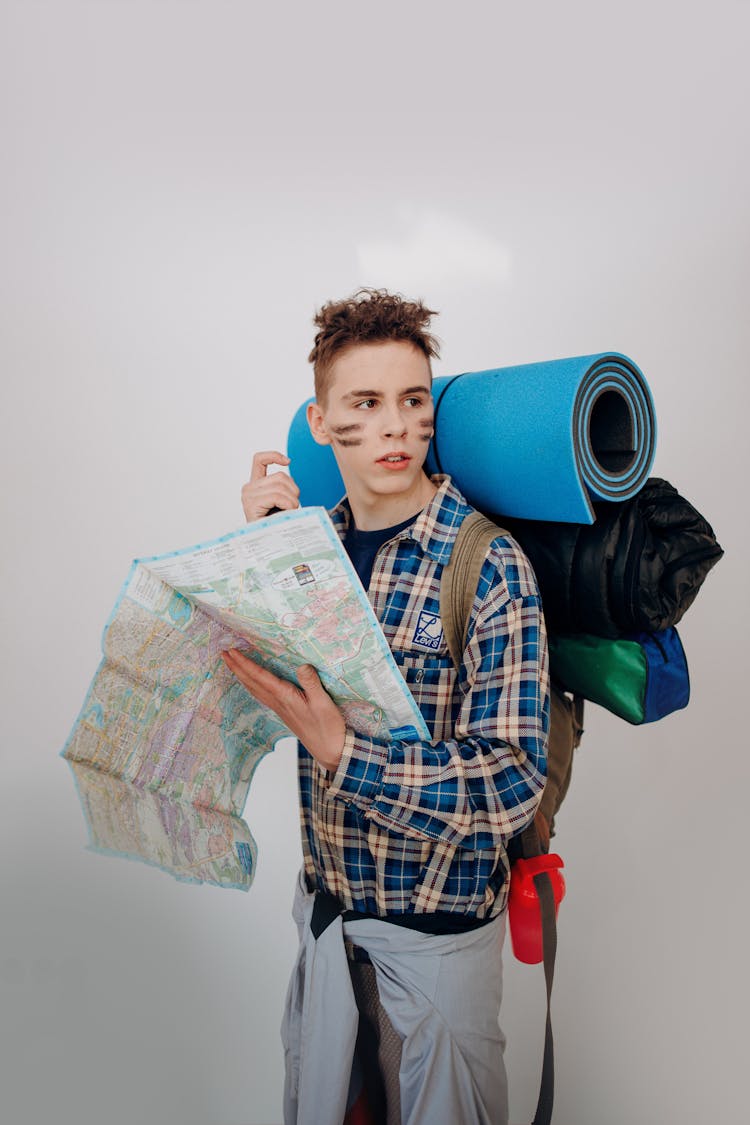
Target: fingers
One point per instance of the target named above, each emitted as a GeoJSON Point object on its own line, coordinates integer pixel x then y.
{"type": "Point", "coordinates": [307, 711]}
{"type": "Point", "coordinates": [261, 683]}
{"type": "Point", "coordinates": [259, 497]}
{"type": "Point", "coordinates": [261, 461]}
{"type": "Point", "coordinates": [309, 680]}
{"type": "Point", "coordinates": [263, 491]}
{"type": "Point", "coordinates": [265, 686]}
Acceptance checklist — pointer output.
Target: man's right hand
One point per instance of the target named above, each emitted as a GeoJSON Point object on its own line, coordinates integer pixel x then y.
{"type": "Point", "coordinates": [262, 493]}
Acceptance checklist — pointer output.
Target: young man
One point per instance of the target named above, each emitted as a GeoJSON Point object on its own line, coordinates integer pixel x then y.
{"type": "Point", "coordinates": [401, 902]}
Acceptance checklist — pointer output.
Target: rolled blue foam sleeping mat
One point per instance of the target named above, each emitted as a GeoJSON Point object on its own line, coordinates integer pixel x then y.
{"type": "Point", "coordinates": [539, 441]}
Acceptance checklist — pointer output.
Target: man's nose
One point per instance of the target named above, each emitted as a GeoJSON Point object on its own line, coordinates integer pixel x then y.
{"type": "Point", "coordinates": [394, 422]}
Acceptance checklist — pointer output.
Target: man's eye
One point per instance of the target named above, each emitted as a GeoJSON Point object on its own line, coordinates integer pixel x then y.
{"type": "Point", "coordinates": [365, 404]}
{"type": "Point", "coordinates": [413, 401]}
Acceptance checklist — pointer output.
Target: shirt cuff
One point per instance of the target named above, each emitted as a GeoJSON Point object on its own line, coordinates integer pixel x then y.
{"type": "Point", "coordinates": [359, 774]}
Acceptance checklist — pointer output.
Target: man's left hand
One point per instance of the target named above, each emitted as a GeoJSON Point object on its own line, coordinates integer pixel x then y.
{"type": "Point", "coordinates": [307, 710]}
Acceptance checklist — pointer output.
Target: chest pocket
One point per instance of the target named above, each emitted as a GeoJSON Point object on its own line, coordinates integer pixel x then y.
{"type": "Point", "coordinates": [416, 628]}
{"type": "Point", "coordinates": [432, 682]}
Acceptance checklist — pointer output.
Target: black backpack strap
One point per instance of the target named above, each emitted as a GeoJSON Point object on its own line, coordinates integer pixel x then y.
{"type": "Point", "coordinates": [543, 1115]}
{"type": "Point", "coordinates": [525, 846]}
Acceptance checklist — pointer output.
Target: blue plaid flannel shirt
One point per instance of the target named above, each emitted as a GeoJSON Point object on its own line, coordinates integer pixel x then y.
{"type": "Point", "coordinates": [407, 827]}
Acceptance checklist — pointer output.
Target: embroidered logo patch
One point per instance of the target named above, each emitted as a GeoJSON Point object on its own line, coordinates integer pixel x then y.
{"type": "Point", "coordinates": [429, 631]}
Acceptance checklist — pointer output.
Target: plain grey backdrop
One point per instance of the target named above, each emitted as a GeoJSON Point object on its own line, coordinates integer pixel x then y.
{"type": "Point", "coordinates": [183, 183]}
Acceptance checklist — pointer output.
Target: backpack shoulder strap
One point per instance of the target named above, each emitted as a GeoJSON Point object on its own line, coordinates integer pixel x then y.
{"type": "Point", "coordinates": [460, 579]}
{"type": "Point", "coordinates": [458, 587]}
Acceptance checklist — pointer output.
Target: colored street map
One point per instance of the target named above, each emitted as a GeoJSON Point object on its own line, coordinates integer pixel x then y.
{"type": "Point", "coordinates": [193, 844]}
{"type": "Point", "coordinates": [164, 714]}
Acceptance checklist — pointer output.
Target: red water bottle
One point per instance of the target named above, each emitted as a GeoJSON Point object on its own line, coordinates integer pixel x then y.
{"type": "Point", "coordinates": [524, 908]}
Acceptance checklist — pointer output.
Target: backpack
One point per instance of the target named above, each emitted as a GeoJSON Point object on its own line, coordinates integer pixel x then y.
{"type": "Point", "coordinates": [458, 586]}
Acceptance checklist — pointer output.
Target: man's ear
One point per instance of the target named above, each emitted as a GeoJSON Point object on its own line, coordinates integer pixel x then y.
{"type": "Point", "coordinates": [317, 425]}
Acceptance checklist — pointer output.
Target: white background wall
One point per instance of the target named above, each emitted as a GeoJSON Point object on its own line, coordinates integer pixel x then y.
{"type": "Point", "coordinates": [182, 184]}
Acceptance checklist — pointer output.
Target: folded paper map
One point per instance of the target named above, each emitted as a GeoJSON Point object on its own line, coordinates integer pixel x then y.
{"type": "Point", "coordinates": [192, 843]}
{"type": "Point", "coordinates": [164, 713]}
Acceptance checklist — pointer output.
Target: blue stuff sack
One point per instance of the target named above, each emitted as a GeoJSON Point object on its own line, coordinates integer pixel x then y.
{"type": "Point", "coordinates": [640, 677]}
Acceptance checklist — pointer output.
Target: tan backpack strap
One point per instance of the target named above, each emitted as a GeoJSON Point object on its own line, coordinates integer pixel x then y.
{"type": "Point", "coordinates": [460, 578]}
{"type": "Point", "coordinates": [458, 587]}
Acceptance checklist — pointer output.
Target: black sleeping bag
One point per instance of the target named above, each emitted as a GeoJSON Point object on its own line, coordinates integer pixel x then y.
{"type": "Point", "coordinates": [638, 566]}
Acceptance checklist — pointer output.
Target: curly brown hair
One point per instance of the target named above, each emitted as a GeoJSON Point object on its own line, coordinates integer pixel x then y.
{"type": "Point", "coordinates": [367, 317]}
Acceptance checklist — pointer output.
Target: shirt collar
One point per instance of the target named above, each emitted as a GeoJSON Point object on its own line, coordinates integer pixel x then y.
{"type": "Point", "coordinates": [436, 526]}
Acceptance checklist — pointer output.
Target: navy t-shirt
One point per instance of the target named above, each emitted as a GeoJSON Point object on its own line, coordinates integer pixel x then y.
{"type": "Point", "coordinates": [363, 546]}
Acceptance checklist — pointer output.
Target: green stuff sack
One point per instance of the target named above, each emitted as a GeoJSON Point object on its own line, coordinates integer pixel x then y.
{"type": "Point", "coordinates": [640, 677]}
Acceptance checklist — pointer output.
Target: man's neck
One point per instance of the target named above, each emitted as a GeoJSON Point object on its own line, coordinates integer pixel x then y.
{"type": "Point", "coordinates": [376, 512]}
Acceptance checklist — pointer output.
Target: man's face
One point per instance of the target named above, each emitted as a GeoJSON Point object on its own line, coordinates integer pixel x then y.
{"type": "Point", "coordinates": [378, 416]}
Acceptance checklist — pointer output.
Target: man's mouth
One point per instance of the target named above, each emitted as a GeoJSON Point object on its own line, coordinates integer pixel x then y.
{"type": "Point", "coordinates": [395, 460]}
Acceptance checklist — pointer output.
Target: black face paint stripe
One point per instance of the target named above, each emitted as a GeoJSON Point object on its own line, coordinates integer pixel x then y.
{"type": "Point", "coordinates": [346, 443]}
{"type": "Point", "coordinates": [352, 428]}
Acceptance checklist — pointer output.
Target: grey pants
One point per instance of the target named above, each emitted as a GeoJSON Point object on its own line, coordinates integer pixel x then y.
{"type": "Point", "coordinates": [442, 997]}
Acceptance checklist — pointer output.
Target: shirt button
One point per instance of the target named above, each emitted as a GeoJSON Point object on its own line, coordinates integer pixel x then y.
{"type": "Point", "coordinates": [419, 675]}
